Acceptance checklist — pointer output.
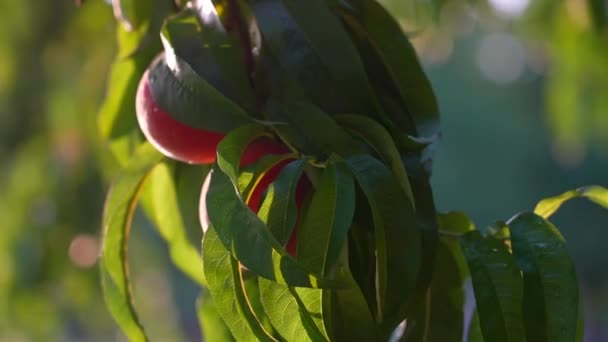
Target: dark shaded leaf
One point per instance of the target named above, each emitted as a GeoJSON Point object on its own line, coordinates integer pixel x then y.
{"type": "Point", "coordinates": [396, 232]}
{"type": "Point", "coordinates": [191, 100]}
{"type": "Point", "coordinates": [312, 46]}
{"type": "Point", "coordinates": [225, 281]}
{"type": "Point", "coordinates": [498, 287]}
{"type": "Point", "coordinates": [117, 216]}
{"type": "Point", "coordinates": [381, 141]}
{"type": "Point", "coordinates": [551, 297]}
{"type": "Point", "coordinates": [199, 47]}
{"type": "Point", "coordinates": [346, 314]}
{"type": "Point", "coordinates": [439, 316]}
{"type": "Point", "coordinates": [383, 45]}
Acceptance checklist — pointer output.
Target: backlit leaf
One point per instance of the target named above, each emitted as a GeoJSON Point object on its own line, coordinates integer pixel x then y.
{"type": "Point", "coordinates": [549, 206]}
{"type": "Point", "coordinates": [117, 216]}
{"type": "Point", "coordinates": [161, 198]}
{"type": "Point", "coordinates": [225, 281]}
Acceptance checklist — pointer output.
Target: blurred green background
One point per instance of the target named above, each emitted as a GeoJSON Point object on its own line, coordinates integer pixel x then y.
{"type": "Point", "coordinates": [523, 89]}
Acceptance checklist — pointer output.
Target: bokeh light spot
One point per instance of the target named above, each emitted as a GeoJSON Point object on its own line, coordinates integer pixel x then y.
{"type": "Point", "coordinates": [83, 250]}
{"type": "Point", "coordinates": [510, 8]}
{"type": "Point", "coordinates": [501, 58]}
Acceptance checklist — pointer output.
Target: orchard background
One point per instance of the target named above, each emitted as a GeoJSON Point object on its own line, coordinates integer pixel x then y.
{"type": "Point", "coordinates": [520, 87]}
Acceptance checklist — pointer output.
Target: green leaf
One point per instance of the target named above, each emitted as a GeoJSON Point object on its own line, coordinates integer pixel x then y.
{"type": "Point", "coordinates": [381, 141]}
{"type": "Point", "coordinates": [310, 43]}
{"type": "Point", "coordinates": [192, 100]}
{"type": "Point", "coordinates": [199, 48]}
{"type": "Point", "coordinates": [398, 242]}
{"type": "Point", "coordinates": [231, 148]}
{"type": "Point", "coordinates": [294, 312]}
{"type": "Point", "coordinates": [594, 193]}
{"type": "Point", "coordinates": [132, 13]}
{"type": "Point", "coordinates": [326, 223]}
{"type": "Point", "coordinates": [440, 316]}
{"type": "Point", "coordinates": [498, 287]}
{"type": "Point", "coordinates": [226, 286]}
{"type": "Point", "coordinates": [551, 297]}
{"type": "Point", "coordinates": [136, 49]}
{"type": "Point", "coordinates": [279, 210]}
{"type": "Point", "coordinates": [161, 197]}
{"type": "Point", "coordinates": [387, 51]}
{"type": "Point", "coordinates": [346, 314]}
{"type": "Point", "coordinates": [254, 247]}
{"type": "Point", "coordinates": [250, 175]}
{"type": "Point", "coordinates": [117, 216]}
{"type": "Point", "coordinates": [213, 328]}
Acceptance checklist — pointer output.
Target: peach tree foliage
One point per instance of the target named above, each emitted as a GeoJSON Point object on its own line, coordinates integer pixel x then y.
{"type": "Point", "coordinates": [307, 128]}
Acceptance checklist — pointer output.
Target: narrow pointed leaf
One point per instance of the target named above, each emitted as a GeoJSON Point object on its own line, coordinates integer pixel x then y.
{"type": "Point", "coordinates": [161, 200]}
{"type": "Point", "coordinates": [250, 241]}
{"type": "Point", "coordinates": [385, 45]}
{"type": "Point", "coordinates": [346, 314]}
{"type": "Point", "coordinates": [226, 286]}
{"type": "Point", "coordinates": [549, 206]}
{"type": "Point", "coordinates": [440, 317]}
{"type": "Point", "coordinates": [381, 141]}
{"type": "Point", "coordinates": [397, 235]}
{"type": "Point", "coordinates": [231, 148]}
{"type": "Point", "coordinates": [279, 209]}
{"type": "Point", "coordinates": [551, 297]}
{"type": "Point", "coordinates": [313, 47]}
{"type": "Point", "coordinates": [117, 216]}
{"type": "Point", "coordinates": [498, 287]}
{"type": "Point", "coordinates": [328, 219]}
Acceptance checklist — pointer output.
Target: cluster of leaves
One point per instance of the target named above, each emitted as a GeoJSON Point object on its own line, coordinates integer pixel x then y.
{"type": "Point", "coordinates": [339, 84]}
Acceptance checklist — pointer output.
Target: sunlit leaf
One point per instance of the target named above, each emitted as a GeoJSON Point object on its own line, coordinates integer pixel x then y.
{"type": "Point", "coordinates": [304, 323]}
{"type": "Point", "coordinates": [118, 213]}
{"type": "Point", "coordinates": [160, 195]}
{"type": "Point", "coordinates": [498, 287]}
{"type": "Point", "coordinates": [551, 297]}
{"type": "Point", "coordinates": [397, 235]}
{"type": "Point", "coordinates": [549, 206]}
{"type": "Point", "coordinates": [225, 281]}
